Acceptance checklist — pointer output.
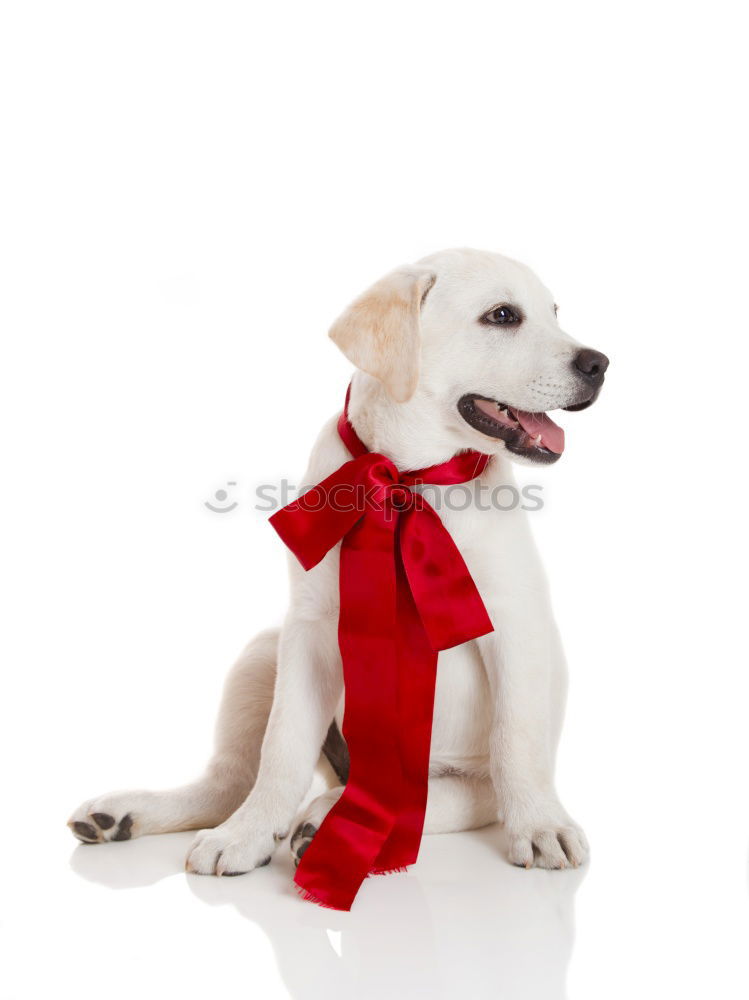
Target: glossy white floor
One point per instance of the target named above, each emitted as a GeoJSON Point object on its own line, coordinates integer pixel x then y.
{"type": "Point", "coordinates": [124, 921]}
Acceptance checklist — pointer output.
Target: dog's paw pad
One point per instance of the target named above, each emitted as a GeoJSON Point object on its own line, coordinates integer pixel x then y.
{"type": "Point", "coordinates": [125, 828]}
{"type": "Point", "coordinates": [103, 820]}
{"type": "Point", "coordinates": [85, 832]}
{"type": "Point", "coordinates": [301, 839]}
{"type": "Point", "coordinates": [110, 818]}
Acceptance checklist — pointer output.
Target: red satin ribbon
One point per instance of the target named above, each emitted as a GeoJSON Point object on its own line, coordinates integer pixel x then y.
{"type": "Point", "coordinates": [405, 594]}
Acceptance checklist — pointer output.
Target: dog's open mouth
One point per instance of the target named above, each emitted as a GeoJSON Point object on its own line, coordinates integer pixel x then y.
{"type": "Point", "coordinates": [531, 435]}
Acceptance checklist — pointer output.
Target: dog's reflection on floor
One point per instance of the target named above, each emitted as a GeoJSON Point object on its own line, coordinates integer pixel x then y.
{"type": "Point", "coordinates": [461, 923]}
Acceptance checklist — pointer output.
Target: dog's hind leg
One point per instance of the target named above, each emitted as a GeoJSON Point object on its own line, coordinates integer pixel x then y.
{"type": "Point", "coordinates": [455, 802]}
{"type": "Point", "coordinates": [459, 802]}
{"type": "Point", "coordinates": [229, 776]}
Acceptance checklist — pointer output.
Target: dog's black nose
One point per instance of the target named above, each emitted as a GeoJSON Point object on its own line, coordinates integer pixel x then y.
{"type": "Point", "coordinates": [591, 364]}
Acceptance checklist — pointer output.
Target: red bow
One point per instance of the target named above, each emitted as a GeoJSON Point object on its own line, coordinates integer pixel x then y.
{"type": "Point", "coordinates": [405, 594]}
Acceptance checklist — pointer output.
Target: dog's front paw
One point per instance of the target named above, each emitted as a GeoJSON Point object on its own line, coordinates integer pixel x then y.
{"type": "Point", "coordinates": [547, 841]}
{"type": "Point", "coordinates": [234, 848]}
{"type": "Point", "coordinates": [110, 817]}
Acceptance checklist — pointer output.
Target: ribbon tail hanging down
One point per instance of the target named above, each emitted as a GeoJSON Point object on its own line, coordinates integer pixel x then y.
{"type": "Point", "coordinates": [405, 594]}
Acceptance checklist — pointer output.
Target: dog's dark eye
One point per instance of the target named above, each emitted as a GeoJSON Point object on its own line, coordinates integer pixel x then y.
{"type": "Point", "coordinates": [502, 316]}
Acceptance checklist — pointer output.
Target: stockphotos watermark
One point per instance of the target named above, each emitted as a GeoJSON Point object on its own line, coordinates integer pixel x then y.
{"type": "Point", "coordinates": [266, 498]}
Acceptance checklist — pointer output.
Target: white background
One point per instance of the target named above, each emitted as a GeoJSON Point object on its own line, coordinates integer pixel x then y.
{"type": "Point", "coordinates": [191, 192]}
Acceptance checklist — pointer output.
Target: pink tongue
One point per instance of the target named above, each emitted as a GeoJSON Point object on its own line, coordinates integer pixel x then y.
{"type": "Point", "coordinates": [552, 435]}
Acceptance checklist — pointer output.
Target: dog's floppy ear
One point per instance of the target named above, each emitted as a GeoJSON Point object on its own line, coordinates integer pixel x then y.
{"type": "Point", "coordinates": [380, 331]}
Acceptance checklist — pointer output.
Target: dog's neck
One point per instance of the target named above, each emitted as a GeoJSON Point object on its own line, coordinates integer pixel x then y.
{"type": "Point", "coordinates": [400, 431]}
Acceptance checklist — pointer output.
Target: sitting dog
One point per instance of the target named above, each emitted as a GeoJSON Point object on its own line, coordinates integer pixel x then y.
{"type": "Point", "coordinates": [460, 351]}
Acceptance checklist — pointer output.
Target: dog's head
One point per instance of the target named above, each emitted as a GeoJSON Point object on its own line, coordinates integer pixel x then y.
{"type": "Point", "coordinates": [473, 338]}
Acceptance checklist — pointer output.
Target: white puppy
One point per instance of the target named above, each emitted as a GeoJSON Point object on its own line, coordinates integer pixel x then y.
{"type": "Point", "coordinates": [460, 351]}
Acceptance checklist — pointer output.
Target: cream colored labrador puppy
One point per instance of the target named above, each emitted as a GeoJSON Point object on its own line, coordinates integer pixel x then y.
{"type": "Point", "coordinates": [462, 350]}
